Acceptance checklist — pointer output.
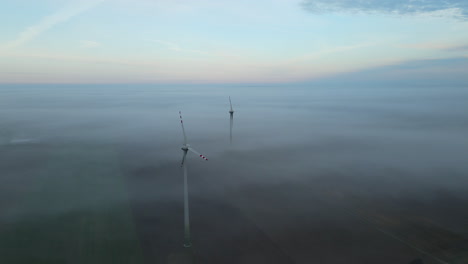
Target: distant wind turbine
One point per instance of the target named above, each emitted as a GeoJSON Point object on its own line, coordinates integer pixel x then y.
{"type": "Point", "coordinates": [185, 148]}
{"type": "Point", "coordinates": [231, 112]}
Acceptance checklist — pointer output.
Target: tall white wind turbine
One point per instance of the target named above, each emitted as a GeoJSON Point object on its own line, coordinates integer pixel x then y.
{"type": "Point", "coordinates": [231, 112]}
{"type": "Point", "coordinates": [185, 148]}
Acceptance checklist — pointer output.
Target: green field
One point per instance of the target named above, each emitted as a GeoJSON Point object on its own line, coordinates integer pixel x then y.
{"type": "Point", "coordinates": [65, 204]}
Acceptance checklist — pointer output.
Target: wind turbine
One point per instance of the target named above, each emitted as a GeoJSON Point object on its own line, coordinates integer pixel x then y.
{"type": "Point", "coordinates": [185, 148]}
{"type": "Point", "coordinates": [231, 112]}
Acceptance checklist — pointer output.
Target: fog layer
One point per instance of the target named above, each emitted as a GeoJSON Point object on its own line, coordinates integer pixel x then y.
{"type": "Point", "coordinates": [313, 174]}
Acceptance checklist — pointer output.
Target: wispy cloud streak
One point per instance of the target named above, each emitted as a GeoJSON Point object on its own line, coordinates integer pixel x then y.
{"type": "Point", "coordinates": [90, 44]}
{"type": "Point", "coordinates": [50, 21]}
{"type": "Point", "coordinates": [439, 46]}
{"type": "Point", "coordinates": [175, 47]}
{"type": "Point", "coordinates": [463, 48]}
{"type": "Point", "coordinates": [403, 7]}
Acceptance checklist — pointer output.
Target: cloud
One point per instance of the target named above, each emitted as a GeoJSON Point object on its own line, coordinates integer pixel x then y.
{"type": "Point", "coordinates": [429, 72]}
{"type": "Point", "coordinates": [48, 22]}
{"type": "Point", "coordinates": [79, 59]}
{"type": "Point", "coordinates": [403, 7]}
{"type": "Point", "coordinates": [90, 44]}
{"type": "Point", "coordinates": [458, 48]}
{"type": "Point", "coordinates": [175, 47]}
{"type": "Point", "coordinates": [441, 46]}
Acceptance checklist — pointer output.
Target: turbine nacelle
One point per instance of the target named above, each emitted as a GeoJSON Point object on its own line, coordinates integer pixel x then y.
{"type": "Point", "coordinates": [185, 147]}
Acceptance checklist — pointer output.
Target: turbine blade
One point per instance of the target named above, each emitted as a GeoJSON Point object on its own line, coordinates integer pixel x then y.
{"type": "Point", "coordinates": [183, 159]}
{"type": "Point", "coordinates": [194, 151]}
{"type": "Point", "coordinates": [183, 129]}
{"type": "Point", "coordinates": [230, 103]}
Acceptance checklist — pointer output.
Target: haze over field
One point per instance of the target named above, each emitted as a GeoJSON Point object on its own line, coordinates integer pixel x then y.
{"type": "Point", "coordinates": [312, 171]}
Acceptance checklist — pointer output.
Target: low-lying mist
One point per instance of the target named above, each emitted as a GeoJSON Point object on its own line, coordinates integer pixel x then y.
{"type": "Point", "coordinates": [321, 174]}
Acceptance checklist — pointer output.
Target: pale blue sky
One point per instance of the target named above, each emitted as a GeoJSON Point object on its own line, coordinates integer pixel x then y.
{"type": "Point", "coordinates": [221, 41]}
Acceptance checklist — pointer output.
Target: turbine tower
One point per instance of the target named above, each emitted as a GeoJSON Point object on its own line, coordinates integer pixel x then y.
{"type": "Point", "coordinates": [185, 148]}
{"type": "Point", "coordinates": [231, 112]}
